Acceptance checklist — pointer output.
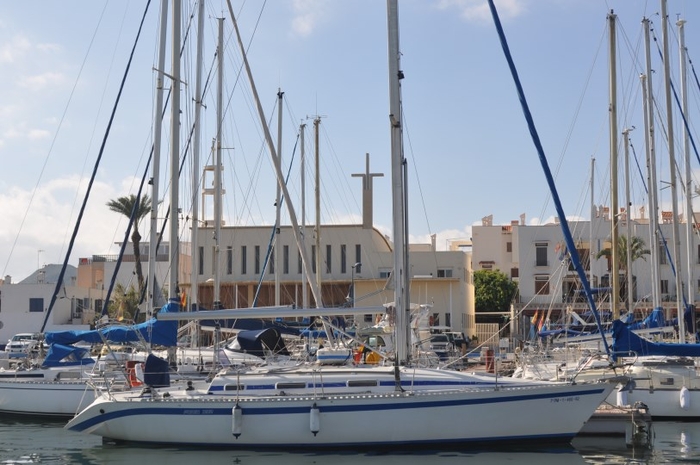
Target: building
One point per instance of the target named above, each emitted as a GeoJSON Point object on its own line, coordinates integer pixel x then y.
{"type": "Point", "coordinates": [536, 258]}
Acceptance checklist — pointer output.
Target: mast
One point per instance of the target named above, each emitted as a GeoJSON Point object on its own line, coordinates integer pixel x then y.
{"type": "Point", "coordinates": [217, 168]}
{"type": "Point", "coordinates": [690, 216]}
{"type": "Point", "coordinates": [317, 197]}
{"type": "Point", "coordinates": [304, 287]}
{"type": "Point", "coordinates": [173, 283]}
{"type": "Point", "coordinates": [157, 135]}
{"type": "Point", "coordinates": [628, 265]}
{"type": "Point", "coordinates": [271, 147]}
{"type": "Point", "coordinates": [397, 185]}
{"type": "Point", "coordinates": [647, 91]}
{"type": "Point", "coordinates": [592, 226]}
{"type": "Point", "coordinates": [615, 217]}
{"type": "Point", "coordinates": [194, 281]}
{"type": "Point", "coordinates": [278, 202]}
{"type": "Point", "coordinates": [672, 165]}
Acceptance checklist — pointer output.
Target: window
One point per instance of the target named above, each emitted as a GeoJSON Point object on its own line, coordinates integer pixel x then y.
{"type": "Point", "coordinates": [384, 273]}
{"type": "Point", "coordinates": [664, 286]}
{"type": "Point", "coordinates": [448, 320]}
{"type": "Point", "coordinates": [229, 260]}
{"type": "Point", "coordinates": [328, 258]}
{"type": "Point", "coordinates": [285, 259]}
{"type": "Point", "coordinates": [299, 262]}
{"type": "Point", "coordinates": [215, 260]}
{"type": "Point", "coordinates": [200, 261]}
{"type": "Point", "coordinates": [244, 259]}
{"type": "Point", "coordinates": [36, 304]}
{"type": "Point", "coordinates": [313, 259]}
{"type": "Point", "coordinates": [663, 258]}
{"type": "Point", "coordinates": [358, 253]}
{"type": "Point", "coordinates": [343, 259]}
{"type": "Point", "coordinates": [509, 247]}
{"type": "Point", "coordinates": [541, 254]}
{"type": "Point", "coordinates": [444, 273]}
{"type": "Point", "coordinates": [256, 258]}
{"type": "Point", "coordinates": [272, 261]}
{"type": "Point", "coordinates": [514, 273]}
{"type": "Point", "coordinates": [542, 285]}
{"type": "Point", "coordinates": [698, 256]}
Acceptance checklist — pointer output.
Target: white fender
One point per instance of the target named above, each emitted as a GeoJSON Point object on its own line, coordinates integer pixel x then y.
{"type": "Point", "coordinates": [237, 420]}
{"type": "Point", "coordinates": [685, 398]}
{"type": "Point", "coordinates": [315, 420]}
{"type": "Point", "coordinates": [622, 396]}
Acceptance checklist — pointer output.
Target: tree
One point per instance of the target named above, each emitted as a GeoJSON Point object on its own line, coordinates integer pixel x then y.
{"type": "Point", "coordinates": [125, 206]}
{"type": "Point", "coordinates": [493, 291]}
{"type": "Point", "coordinates": [124, 303]}
{"type": "Point", "coordinates": [637, 250]}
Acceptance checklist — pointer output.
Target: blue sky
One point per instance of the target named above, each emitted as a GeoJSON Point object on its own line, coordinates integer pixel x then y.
{"type": "Point", "coordinates": [468, 148]}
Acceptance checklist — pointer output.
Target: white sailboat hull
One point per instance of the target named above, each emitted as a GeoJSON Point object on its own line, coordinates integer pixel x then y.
{"type": "Point", "coordinates": [45, 398]}
{"type": "Point", "coordinates": [545, 413]}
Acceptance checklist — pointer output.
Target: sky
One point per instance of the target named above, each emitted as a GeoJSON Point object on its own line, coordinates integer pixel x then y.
{"type": "Point", "coordinates": [468, 149]}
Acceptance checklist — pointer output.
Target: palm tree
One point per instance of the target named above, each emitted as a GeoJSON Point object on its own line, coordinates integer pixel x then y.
{"type": "Point", "coordinates": [125, 206]}
{"type": "Point", "coordinates": [637, 250]}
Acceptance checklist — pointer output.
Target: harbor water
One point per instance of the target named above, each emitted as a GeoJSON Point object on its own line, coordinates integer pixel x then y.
{"type": "Point", "coordinates": [46, 442]}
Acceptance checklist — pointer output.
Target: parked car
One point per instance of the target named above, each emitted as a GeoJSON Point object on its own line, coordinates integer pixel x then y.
{"type": "Point", "coordinates": [439, 343]}
{"type": "Point", "coordinates": [456, 339]}
{"type": "Point", "coordinates": [21, 344]}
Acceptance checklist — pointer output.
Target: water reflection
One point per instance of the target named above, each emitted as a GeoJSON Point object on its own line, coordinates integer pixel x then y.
{"type": "Point", "coordinates": [45, 441]}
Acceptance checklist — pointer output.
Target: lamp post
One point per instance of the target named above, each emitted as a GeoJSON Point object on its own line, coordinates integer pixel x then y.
{"type": "Point", "coordinates": [357, 266]}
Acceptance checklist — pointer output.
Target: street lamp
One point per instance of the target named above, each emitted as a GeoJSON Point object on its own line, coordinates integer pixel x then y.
{"type": "Point", "coordinates": [357, 266]}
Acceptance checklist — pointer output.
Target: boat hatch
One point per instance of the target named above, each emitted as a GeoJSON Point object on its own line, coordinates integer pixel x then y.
{"type": "Point", "coordinates": [290, 386]}
{"type": "Point", "coordinates": [362, 383]}
{"type": "Point", "coordinates": [234, 387]}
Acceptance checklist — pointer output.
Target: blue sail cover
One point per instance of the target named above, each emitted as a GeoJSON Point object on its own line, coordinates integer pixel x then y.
{"type": "Point", "coordinates": [626, 342]}
{"type": "Point", "coordinates": [153, 331]}
{"type": "Point", "coordinates": [60, 355]}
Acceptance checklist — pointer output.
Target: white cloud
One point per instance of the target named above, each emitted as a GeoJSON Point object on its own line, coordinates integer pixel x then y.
{"type": "Point", "coordinates": [38, 134]}
{"type": "Point", "coordinates": [41, 81]}
{"type": "Point", "coordinates": [307, 15]}
{"type": "Point", "coordinates": [10, 51]}
{"type": "Point", "coordinates": [47, 224]}
{"type": "Point", "coordinates": [478, 10]}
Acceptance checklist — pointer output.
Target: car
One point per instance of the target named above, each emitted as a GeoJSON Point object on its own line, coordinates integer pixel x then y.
{"type": "Point", "coordinates": [21, 344]}
{"type": "Point", "coordinates": [456, 340]}
{"type": "Point", "coordinates": [439, 343]}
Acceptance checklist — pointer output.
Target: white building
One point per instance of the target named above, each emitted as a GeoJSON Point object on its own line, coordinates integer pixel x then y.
{"type": "Point", "coordinates": [535, 257]}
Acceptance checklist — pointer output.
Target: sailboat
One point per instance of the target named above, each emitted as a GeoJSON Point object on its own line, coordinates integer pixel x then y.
{"type": "Point", "coordinates": [320, 406]}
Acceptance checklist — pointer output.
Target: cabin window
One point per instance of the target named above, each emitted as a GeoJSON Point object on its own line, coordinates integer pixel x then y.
{"type": "Point", "coordinates": [290, 386]}
{"type": "Point", "coordinates": [362, 383]}
{"type": "Point", "coordinates": [234, 387]}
